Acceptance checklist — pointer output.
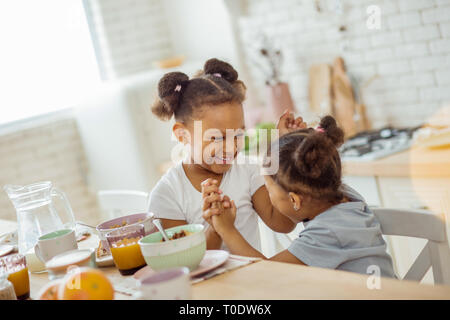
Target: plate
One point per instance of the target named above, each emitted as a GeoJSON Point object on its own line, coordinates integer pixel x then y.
{"type": "Point", "coordinates": [212, 259]}
{"type": "Point", "coordinates": [5, 249]}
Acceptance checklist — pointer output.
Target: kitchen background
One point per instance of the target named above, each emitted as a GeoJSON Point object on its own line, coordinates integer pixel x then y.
{"type": "Point", "coordinates": [90, 128]}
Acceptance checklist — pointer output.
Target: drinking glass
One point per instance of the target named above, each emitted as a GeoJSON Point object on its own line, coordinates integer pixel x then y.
{"type": "Point", "coordinates": [125, 249]}
{"type": "Point", "coordinates": [15, 266]}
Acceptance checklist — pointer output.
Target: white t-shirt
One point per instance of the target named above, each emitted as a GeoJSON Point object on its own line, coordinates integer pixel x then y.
{"type": "Point", "coordinates": [174, 197]}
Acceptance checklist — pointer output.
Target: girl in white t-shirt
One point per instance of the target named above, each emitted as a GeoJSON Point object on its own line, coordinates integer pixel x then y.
{"type": "Point", "coordinates": [212, 102]}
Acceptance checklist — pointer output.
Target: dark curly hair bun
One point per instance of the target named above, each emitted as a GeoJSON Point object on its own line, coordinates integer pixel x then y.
{"type": "Point", "coordinates": [313, 155]}
{"type": "Point", "coordinates": [226, 71]}
{"type": "Point", "coordinates": [332, 131]}
{"type": "Point", "coordinates": [309, 161]}
{"type": "Point", "coordinates": [170, 88]}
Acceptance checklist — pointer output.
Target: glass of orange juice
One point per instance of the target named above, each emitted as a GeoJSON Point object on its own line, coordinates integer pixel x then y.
{"type": "Point", "coordinates": [15, 266]}
{"type": "Point", "coordinates": [125, 249]}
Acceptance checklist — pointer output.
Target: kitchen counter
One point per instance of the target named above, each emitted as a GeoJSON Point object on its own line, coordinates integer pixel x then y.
{"type": "Point", "coordinates": [415, 162]}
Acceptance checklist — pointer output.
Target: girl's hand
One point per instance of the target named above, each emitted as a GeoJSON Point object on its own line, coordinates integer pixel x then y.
{"type": "Point", "coordinates": [287, 123]}
{"type": "Point", "coordinates": [224, 203]}
{"type": "Point", "coordinates": [210, 186]}
{"type": "Point", "coordinates": [210, 189]}
{"type": "Point", "coordinates": [212, 199]}
{"type": "Point", "coordinates": [224, 221]}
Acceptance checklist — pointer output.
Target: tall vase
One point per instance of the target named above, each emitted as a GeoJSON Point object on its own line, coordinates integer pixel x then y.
{"type": "Point", "coordinates": [278, 100]}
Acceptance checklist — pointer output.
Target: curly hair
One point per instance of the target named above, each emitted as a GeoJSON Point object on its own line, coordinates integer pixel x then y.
{"type": "Point", "coordinates": [180, 96]}
{"type": "Point", "coordinates": [309, 161]}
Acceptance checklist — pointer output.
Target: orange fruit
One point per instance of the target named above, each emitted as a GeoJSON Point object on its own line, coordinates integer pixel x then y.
{"type": "Point", "coordinates": [86, 284]}
{"type": "Point", "coordinates": [49, 291]}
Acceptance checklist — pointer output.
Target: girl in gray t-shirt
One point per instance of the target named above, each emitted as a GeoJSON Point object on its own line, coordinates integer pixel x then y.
{"type": "Point", "coordinates": [340, 230]}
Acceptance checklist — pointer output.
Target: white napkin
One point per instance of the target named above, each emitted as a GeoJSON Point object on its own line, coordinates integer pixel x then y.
{"type": "Point", "coordinates": [232, 263]}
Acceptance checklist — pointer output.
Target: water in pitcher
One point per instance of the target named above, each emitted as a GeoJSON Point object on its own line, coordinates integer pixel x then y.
{"type": "Point", "coordinates": [36, 219]}
{"type": "Point", "coordinates": [36, 216]}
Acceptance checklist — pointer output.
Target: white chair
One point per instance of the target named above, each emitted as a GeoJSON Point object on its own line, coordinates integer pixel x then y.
{"type": "Point", "coordinates": [117, 203]}
{"type": "Point", "coordinates": [425, 225]}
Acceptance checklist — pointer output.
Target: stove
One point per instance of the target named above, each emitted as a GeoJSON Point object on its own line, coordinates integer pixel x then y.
{"type": "Point", "coordinates": [372, 145]}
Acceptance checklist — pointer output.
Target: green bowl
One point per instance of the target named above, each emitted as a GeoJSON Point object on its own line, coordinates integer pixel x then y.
{"type": "Point", "coordinates": [183, 252]}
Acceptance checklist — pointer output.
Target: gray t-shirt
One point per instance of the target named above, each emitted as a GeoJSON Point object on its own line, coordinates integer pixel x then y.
{"type": "Point", "coordinates": [346, 237]}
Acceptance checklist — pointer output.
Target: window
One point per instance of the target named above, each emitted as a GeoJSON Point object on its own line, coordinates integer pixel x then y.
{"type": "Point", "coordinates": [47, 61]}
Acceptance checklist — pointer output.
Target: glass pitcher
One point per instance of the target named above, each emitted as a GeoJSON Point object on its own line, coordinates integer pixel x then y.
{"type": "Point", "coordinates": [36, 213]}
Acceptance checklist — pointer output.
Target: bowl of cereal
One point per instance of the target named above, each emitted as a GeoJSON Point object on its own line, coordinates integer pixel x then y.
{"type": "Point", "coordinates": [185, 248]}
{"type": "Point", "coordinates": [139, 218]}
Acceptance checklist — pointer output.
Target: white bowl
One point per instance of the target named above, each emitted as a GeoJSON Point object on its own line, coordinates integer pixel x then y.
{"type": "Point", "coordinates": [187, 251]}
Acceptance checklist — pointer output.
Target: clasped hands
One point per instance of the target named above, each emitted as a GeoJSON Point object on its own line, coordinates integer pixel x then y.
{"type": "Point", "coordinates": [218, 209]}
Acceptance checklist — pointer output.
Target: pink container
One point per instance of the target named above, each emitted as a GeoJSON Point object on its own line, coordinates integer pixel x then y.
{"type": "Point", "coordinates": [279, 99]}
{"type": "Point", "coordinates": [145, 219]}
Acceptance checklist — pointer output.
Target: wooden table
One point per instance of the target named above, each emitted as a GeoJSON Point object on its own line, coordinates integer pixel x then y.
{"type": "Point", "coordinates": [275, 280]}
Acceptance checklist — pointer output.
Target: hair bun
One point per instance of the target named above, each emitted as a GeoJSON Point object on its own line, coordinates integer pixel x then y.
{"type": "Point", "coordinates": [170, 88]}
{"type": "Point", "coordinates": [332, 131]}
{"type": "Point", "coordinates": [216, 66]}
{"type": "Point", "coordinates": [168, 84]}
{"type": "Point", "coordinates": [312, 155]}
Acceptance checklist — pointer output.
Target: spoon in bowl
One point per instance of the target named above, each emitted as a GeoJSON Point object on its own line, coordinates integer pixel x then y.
{"type": "Point", "coordinates": [158, 225]}
{"type": "Point", "coordinates": [86, 225]}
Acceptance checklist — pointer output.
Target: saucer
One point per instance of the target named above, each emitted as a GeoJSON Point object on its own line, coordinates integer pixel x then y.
{"type": "Point", "coordinates": [212, 260]}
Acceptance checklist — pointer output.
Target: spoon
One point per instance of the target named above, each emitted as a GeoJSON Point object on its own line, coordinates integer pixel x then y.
{"type": "Point", "coordinates": [87, 225]}
{"type": "Point", "coordinates": [158, 225]}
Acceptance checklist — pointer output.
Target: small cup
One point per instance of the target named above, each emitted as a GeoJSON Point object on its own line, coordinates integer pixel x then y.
{"type": "Point", "coordinates": [170, 284]}
{"type": "Point", "coordinates": [54, 243]}
{"type": "Point", "coordinates": [125, 249]}
{"type": "Point", "coordinates": [16, 267]}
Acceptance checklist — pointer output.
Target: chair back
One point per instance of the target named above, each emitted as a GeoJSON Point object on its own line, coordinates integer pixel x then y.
{"type": "Point", "coordinates": [117, 203]}
{"type": "Point", "coordinates": [425, 225]}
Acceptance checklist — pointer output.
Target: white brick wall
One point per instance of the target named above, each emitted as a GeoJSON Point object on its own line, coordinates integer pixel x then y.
{"type": "Point", "coordinates": [407, 5]}
{"type": "Point", "coordinates": [409, 56]}
{"type": "Point", "coordinates": [436, 15]}
{"type": "Point", "coordinates": [52, 152]}
{"type": "Point", "coordinates": [445, 29]}
{"type": "Point", "coordinates": [128, 35]}
{"type": "Point", "coordinates": [443, 77]}
{"type": "Point", "coordinates": [404, 20]}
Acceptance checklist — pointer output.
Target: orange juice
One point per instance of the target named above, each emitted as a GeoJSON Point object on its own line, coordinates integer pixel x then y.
{"type": "Point", "coordinates": [127, 255]}
{"type": "Point", "coordinates": [21, 283]}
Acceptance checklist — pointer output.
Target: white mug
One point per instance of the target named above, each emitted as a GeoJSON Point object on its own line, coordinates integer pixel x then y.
{"type": "Point", "coordinates": [171, 284]}
{"type": "Point", "coordinates": [54, 243]}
